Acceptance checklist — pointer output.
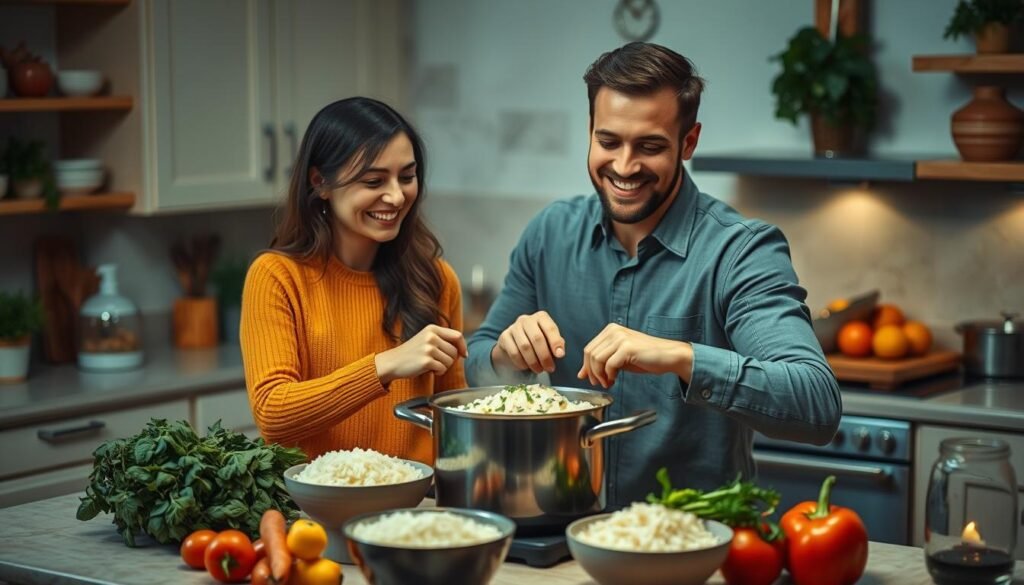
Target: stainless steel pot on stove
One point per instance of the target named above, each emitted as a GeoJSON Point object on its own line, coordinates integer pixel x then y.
{"type": "Point", "coordinates": [994, 348]}
{"type": "Point", "coordinates": [543, 471]}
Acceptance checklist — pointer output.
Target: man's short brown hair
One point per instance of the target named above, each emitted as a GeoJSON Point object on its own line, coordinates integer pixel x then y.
{"type": "Point", "coordinates": [642, 69]}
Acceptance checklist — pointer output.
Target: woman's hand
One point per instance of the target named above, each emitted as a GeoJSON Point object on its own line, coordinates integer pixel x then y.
{"type": "Point", "coordinates": [433, 349]}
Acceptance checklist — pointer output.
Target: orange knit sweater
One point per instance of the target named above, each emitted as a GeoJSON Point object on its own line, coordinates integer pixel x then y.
{"type": "Point", "coordinates": [308, 345]}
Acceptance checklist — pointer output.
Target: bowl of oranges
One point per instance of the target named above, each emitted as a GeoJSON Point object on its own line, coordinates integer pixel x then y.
{"type": "Point", "coordinates": [887, 334]}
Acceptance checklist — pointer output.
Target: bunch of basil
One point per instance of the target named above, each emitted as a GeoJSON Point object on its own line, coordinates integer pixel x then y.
{"type": "Point", "coordinates": [167, 481]}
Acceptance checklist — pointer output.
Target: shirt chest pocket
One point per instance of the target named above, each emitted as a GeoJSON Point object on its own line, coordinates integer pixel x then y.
{"type": "Point", "coordinates": [690, 329]}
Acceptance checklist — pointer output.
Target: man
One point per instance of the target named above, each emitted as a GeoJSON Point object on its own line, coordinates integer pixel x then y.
{"type": "Point", "coordinates": [662, 295]}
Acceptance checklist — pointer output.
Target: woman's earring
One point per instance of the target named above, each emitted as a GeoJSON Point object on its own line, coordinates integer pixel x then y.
{"type": "Point", "coordinates": [323, 210]}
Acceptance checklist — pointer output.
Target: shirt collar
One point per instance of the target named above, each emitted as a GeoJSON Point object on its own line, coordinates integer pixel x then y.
{"type": "Point", "coordinates": [673, 231]}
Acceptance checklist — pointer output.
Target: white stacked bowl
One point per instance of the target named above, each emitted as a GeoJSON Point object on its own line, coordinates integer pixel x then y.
{"type": "Point", "coordinates": [79, 82]}
{"type": "Point", "coordinates": [79, 176]}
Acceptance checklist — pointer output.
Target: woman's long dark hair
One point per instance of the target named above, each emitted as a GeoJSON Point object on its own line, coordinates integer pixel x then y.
{"type": "Point", "coordinates": [356, 130]}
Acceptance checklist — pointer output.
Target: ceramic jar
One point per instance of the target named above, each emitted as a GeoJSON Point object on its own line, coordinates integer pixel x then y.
{"type": "Point", "coordinates": [31, 79]}
{"type": "Point", "coordinates": [988, 128]}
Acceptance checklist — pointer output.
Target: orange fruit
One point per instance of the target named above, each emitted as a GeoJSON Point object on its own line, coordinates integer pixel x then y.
{"type": "Point", "coordinates": [837, 305]}
{"type": "Point", "coordinates": [306, 539]}
{"type": "Point", "coordinates": [886, 314]}
{"type": "Point", "coordinates": [854, 339]}
{"type": "Point", "coordinates": [919, 337]}
{"type": "Point", "coordinates": [316, 572]}
{"type": "Point", "coordinates": [890, 342]}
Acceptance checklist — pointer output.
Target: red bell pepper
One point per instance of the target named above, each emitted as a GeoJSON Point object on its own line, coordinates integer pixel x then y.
{"type": "Point", "coordinates": [827, 545]}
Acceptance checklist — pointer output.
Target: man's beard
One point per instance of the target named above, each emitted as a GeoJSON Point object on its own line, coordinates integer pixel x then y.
{"type": "Point", "coordinates": [647, 209]}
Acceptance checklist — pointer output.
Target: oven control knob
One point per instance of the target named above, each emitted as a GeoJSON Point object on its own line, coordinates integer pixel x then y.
{"type": "Point", "coordinates": [886, 442]}
{"type": "Point", "coordinates": [862, 438]}
{"type": "Point", "coordinates": [839, 438]}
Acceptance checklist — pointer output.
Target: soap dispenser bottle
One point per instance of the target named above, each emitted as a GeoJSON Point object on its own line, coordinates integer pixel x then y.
{"type": "Point", "coordinates": [110, 330]}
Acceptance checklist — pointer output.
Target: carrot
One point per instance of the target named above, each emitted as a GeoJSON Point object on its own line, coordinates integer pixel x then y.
{"type": "Point", "coordinates": [273, 534]}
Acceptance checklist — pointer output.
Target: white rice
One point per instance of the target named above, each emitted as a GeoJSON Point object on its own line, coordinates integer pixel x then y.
{"type": "Point", "coordinates": [425, 530]}
{"type": "Point", "coordinates": [358, 467]}
{"type": "Point", "coordinates": [523, 399]}
{"type": "Point", "coordinates": [648, 528]}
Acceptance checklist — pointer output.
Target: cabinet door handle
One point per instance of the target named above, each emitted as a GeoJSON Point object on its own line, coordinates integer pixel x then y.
{"type": "Point", "coordinates": [797, 464]}
{"type": "Point", "coordinates": [271, 170]}
{"type": "Point", "coordinates": [293, 144]}
{"type": "Point", "coordinates": [56, 436]}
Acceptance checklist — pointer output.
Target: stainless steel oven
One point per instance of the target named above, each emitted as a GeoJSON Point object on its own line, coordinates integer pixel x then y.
{"type": "Point", "coordinates": [871, 459]}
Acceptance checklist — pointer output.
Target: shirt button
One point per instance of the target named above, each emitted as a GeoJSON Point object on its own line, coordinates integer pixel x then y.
{"type": "Point", "coordinates": [706, 393]}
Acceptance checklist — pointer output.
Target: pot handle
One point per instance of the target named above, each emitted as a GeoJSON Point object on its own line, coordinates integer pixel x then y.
{"type": "Point", "coordinates": [617, 426]}
{"type": "Point", "coordinates": [407, 411]}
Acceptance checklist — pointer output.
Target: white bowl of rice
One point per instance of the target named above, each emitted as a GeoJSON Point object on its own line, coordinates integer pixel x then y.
{"type": "Point", "coordinates": [341, 484]}
{"type": "Point", "coordinates": [670, 546]}
{"type": "Point", "coordinates": [429, 546]}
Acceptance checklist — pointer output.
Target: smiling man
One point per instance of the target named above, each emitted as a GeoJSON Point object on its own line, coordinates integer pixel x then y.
{"type": "Point", "coordinates": [662, 295]}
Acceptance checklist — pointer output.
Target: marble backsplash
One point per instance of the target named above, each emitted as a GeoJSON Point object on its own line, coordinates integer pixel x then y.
{"type": "Point", "coordinates": [944, 252]}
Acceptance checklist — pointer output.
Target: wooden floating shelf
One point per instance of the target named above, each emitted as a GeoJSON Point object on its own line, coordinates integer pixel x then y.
{"type": "Point", "coordinates": [958, 170]}
{"type": "Point", "coordinates": [103, 201]}
{"type": "Point", "coordinates": [66, 104]}
{"type": "Point", "coordinates": [1007, 63]}
{"type": "Point", "coordinates": [70, 2]}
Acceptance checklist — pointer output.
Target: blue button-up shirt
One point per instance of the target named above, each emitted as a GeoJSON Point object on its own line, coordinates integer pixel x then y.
{"type": "Point", "coordinates": [707, 276]}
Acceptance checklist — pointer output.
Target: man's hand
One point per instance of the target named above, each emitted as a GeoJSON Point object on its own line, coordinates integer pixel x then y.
{"type": "Point", "coordinates": [617, 348]}
{"type": "Point", "coordinates": [433, 349]}
{"type": "Point", "coordinates": [532, 343]}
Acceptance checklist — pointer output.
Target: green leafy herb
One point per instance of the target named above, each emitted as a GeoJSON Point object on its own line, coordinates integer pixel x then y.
{"type": "Point", "coordinates": [737, 504]}
{"type": "Point", "coordinates": [972, 15]}
{"type": "Point", "coordinates": [19, 316]}
{"type": "Point", "coordinates": [167, 481]}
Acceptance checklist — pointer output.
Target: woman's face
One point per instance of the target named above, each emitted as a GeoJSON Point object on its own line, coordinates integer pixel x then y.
{"type": "Point", "coordinates": [368, 210]}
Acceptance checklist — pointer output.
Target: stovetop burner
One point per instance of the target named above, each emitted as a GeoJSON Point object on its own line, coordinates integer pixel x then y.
{"type": "Point", "coordinates": [539, 551]}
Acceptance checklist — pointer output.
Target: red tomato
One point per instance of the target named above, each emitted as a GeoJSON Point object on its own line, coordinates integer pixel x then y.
{"type": "Point", "coordinates": [194, 547]}
{"type": "Point", "coordinates": [752, 560]}
{"type": "Point", "coordinates": [230, 557]}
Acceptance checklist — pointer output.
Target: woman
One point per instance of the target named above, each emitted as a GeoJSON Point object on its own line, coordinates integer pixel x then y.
{"type": "Point", "coordinates": [351, 310]}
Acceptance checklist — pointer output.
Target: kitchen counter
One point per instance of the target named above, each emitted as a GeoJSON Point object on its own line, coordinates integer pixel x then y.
{"type": "Point", "coordinates": [53, 392]}
{"type": "Point", "coordinates": [43, 544]}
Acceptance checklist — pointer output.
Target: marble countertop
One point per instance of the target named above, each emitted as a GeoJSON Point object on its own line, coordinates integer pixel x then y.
{"type": "Point", "coordinates": [43, 544]}
{"type": "Point", "coordinates": [54, 392]}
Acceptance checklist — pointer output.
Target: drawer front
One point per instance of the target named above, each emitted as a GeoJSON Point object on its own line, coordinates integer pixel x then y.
{"type": "Point", "coordinates": [69, 441]}
{"type": "Point", "coordinates": [48, 484]}
{"type": "Point", "coordinates": [231, 408]}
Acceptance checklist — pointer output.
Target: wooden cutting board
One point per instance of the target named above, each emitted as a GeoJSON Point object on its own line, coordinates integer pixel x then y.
{"type": "Point", "coordinates": [889, 374]}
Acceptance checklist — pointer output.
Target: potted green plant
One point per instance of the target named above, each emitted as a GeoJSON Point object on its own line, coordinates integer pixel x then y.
{"type": "Point", "coordinates": [989, 21]}
{"type": "Point", "coordinates": [833, 82]}
{"type": "Point", "coordinates": [229, 279]}
{"type": "Point", "coordinates": [29, 170]}
{"type": "Point", "coordinates": [20, 316]}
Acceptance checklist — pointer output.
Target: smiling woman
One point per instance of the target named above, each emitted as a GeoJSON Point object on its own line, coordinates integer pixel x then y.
{"type": "Point", "coordinates": [352, 310]}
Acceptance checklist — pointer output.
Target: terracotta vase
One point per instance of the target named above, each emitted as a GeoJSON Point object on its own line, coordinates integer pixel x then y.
{"type": "Point", "coordinates": [830, 140]}
{"type": "Point", "coordinates": [31, 79]}
{"type": "Point", "coordinates": [988, 128]}
{"type": "Point", "coordinates": [993, 38]}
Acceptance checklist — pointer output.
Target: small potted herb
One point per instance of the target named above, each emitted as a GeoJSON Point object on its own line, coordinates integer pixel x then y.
{"type": "Point", "coordinates": [833, 82]}
{"type": "Point", "coordinates": [29, 170]}
{"type": "Point", "coordinates": [989, 21]}
{"type": "Point", "coordinates": [20, 316]}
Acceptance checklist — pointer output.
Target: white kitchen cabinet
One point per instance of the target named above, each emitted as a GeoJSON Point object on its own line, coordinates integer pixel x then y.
{"type": "Point", "coordinates": [211, 102]}
{"type": "Point", "coordinates": [926, 451]}
{"type": "Point", "coordinates": [53, 458]}
{"type": "Point", "coordinates": [231, 408]}
{"type": "Point", "coordinates": [230, 86]}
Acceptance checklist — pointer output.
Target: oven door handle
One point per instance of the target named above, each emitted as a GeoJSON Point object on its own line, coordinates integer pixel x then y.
{"type": "Point", "coordinates": [797, 463]}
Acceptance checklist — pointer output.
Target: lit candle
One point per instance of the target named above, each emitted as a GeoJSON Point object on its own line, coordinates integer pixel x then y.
{"type": "Point", "coordinates": [970, 535]}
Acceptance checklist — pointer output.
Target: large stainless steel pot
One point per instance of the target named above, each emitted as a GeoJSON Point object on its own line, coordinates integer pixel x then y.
{"type": "Point", "coordinates": [543, 471]}
{"type": "Point", "coordinates": [994, 348]}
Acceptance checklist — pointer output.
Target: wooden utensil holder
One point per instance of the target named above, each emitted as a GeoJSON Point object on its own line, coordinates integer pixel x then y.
{"type": "Point", "coordinates": [195, 322]}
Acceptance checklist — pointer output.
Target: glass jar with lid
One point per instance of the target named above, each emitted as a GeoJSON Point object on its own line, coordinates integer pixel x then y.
{"type": "Point", "coordinates": [971, 513]}
{"type": "Point", "coordinates": [109, 328]}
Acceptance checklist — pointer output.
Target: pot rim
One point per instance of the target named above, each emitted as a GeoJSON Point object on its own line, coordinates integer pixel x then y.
{"type": "Point", "coordinates": [604, 400]}
{"type": "Point", "coordinates": [989, 327]}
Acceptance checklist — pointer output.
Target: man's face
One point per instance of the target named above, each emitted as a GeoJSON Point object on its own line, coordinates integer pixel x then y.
{"type": "Point", "coordinates": [636, 154]}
